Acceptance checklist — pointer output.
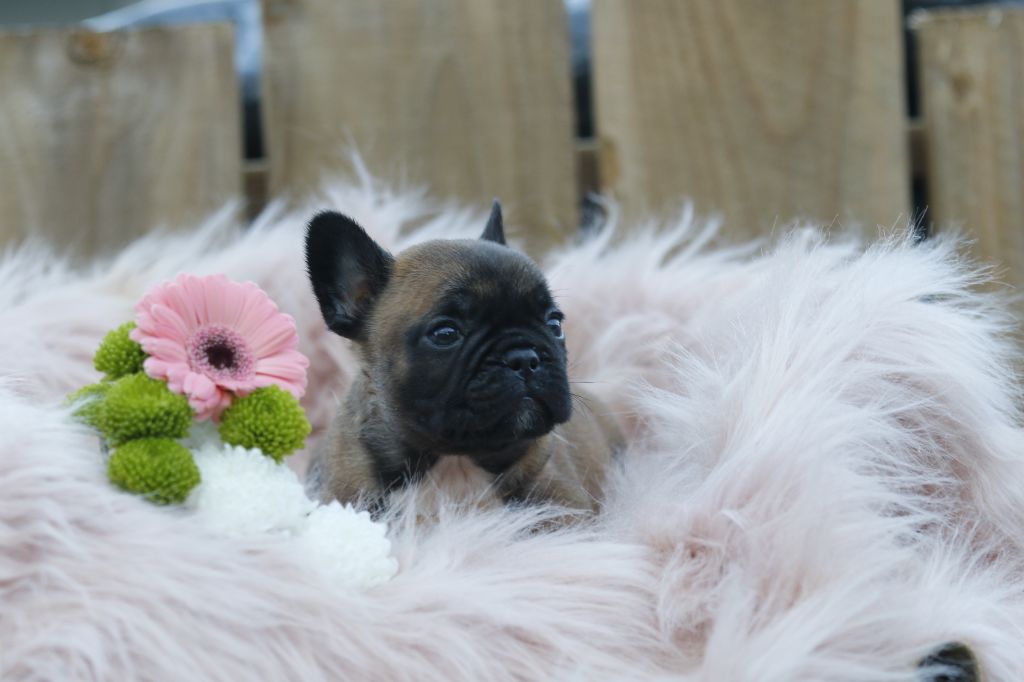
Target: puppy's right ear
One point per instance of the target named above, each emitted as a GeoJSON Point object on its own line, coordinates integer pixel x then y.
{"type": "Point", "coordinates": [347, 269]}
{"type": "Point", "coordinates": [494, 231]}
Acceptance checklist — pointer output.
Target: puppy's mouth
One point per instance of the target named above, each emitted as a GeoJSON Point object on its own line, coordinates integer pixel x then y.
{"type": "Point", "coordinates": [532, 415]}
{"type": "Point", "coordinates": [527, 418]}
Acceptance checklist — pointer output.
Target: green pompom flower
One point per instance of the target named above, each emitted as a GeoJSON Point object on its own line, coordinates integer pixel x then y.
{"type": "Point", "coordinates": [139, 407]}
{"type": "Point", "coordinates": [160, 469]}
{"type": "Point", "coordinates": [270, 419]}
{"type": "Point", "coordinates": [118, 355]}
{"type": "Point", "coordinates": [88, 401]}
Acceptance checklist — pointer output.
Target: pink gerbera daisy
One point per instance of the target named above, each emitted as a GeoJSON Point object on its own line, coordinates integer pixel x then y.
{"type": "Point", "coordinates": [211, 338]}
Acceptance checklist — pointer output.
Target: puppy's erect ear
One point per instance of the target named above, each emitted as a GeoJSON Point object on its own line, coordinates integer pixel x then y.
{"type": "Point", "coordinates": [347, 270]}
{"type": "Point", "coordinates": [495, 230]}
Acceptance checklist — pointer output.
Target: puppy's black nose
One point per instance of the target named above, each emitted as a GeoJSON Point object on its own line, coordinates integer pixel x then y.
{"type": "Point", "coordinates": [522, 360]}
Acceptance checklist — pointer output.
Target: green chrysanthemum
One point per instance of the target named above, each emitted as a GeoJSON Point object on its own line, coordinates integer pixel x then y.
{"type": "Point", "coordinates": [118, 355]}
{"type": "Point", "coordinates": [88, 401]}
{"type": "Point", "coordinates": [160, 469]}
{"type": "Point", "coordinates": [270, 419]}
{"type": "Point", "coordinates": [139, 407]}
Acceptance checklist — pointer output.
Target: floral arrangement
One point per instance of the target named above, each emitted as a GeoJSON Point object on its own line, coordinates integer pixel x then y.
{"type": "Point", "coordinates": [199, 406]}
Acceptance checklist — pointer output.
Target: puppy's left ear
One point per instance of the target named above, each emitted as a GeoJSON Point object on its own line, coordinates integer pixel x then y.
{"type": "Point", "coordinates": [347, 269]}
{"type": "Point", "coordinates": [495, 230]}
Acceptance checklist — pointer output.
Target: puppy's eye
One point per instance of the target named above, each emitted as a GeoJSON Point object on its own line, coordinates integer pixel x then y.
{"type": "Point", "coordinates": [555, 325]}
{"type": "Point", "coordinates": [444, 335]}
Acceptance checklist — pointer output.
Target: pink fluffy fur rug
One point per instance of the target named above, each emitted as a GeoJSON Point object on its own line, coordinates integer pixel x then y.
{"type": "Point", "coordinates": [825, 479]}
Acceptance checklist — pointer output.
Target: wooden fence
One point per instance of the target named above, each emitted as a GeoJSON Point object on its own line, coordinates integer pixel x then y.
{"type": "Point", "coordinates": [762, 112]}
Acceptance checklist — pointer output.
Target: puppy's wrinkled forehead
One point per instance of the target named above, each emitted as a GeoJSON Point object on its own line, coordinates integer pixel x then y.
{"type": "Point", "coordinates": [466, 276]}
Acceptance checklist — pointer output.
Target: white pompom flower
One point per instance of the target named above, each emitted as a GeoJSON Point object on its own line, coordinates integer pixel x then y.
{"type": "Point", "coordinates": [244, 493]}
{"type": "Point", "coordinates": [351, 547]}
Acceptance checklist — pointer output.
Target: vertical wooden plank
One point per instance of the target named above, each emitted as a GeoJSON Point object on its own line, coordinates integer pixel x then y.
{"type": "Point", "coordinates": [106, 136]}
{"type": "Point", "coordinates": [762, 111]}
{"type": "Point", "coordinates": [470, 98]}
{"type": "Point", "coordinates": [972, 95]}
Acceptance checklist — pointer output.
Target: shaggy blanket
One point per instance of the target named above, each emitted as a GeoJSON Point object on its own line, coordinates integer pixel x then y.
{"type": "Point", "coordinates": [825, 478]}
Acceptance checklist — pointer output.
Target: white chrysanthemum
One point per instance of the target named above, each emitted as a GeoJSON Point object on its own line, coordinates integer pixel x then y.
{"type": "Point", "coordinates": [243, 492]}
{"type": "Point", "coordinates": [349, 545]}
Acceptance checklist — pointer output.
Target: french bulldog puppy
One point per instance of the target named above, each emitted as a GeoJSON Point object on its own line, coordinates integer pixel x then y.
{"type": "Point", "coordinates": [463, 372]}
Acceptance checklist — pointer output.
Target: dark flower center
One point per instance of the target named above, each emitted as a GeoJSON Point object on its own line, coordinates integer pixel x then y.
{"type": "Point", "coordinates": [220, 355]}
{"type": "Point", "coordinates": [220, 352]}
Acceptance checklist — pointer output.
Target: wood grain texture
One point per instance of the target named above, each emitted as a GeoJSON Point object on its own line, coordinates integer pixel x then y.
{"type": "Point", "coordinates": [761, 111]}
{"type": "Point", "coordinates": [972, 94]}
{"type": "Point", "coordinates": [106, 136]}
{"type": "Point", "coordinates": [469, 98]}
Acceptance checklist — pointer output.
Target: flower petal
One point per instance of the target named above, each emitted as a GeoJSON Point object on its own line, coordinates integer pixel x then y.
{"type": "Point", "coordinates": [239, 386]}
{"type": "Point", "coordinates": [218, 409]}
{"type": "Point", "coordinates": [276, 335]}
{"type": "Point", "coordinates": [191, 292]}
{"type": "Point", "coordinates": [287, 370]}
{"type": "Point", "coordinates": [176, 376]}
{"type": "Point", "coordinates": [258, 311]}
{"type": "Point", "coordinates": [218, 298]}
{"type": "Point", "coordinates": [177, 297]}
{"type": "Point", "coordinates": [212, 407]}
{"type": "Point", "coordinates": [199, 386]}
{"type": "Point", "coordinates": [156, 368]}
{"type": "Point", "coordinates": [239, 301]}
{"type": "Point", "coordinates": [165, 349]}
{"type": "Point", "coordinates": [168, 323]}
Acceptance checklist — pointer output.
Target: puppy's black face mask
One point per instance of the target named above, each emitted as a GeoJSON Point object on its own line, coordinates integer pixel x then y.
{"type": "Point", "coordinates": [462, 338]}
{"type": "Point", "coordinates": [486, 365]}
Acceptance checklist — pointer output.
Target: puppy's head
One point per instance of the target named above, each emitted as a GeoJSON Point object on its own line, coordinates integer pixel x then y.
{"type": "Point", "coordinates": [461, 338]}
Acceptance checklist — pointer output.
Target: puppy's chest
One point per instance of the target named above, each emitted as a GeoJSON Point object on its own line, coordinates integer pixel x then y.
{"type": "Point", "coordinates": [455, 478]}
